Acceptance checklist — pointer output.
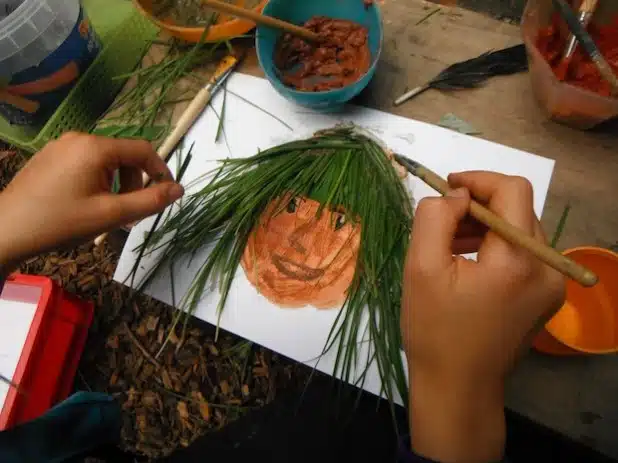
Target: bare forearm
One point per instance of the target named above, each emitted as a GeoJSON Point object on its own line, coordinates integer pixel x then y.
{"type": "Point", "coordinates": [455, 420]}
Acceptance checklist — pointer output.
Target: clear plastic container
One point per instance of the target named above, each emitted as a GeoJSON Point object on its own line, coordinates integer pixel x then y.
{"type": "Point", "coordinates": [564, 103]}
{"type": "Point", "coordinates": [46, 44]}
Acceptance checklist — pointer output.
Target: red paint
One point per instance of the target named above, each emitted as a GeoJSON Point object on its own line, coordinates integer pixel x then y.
{"type": "Point", "coordinates": [342, 59]}
{"type": "Point", "coordinates": [580, 71]}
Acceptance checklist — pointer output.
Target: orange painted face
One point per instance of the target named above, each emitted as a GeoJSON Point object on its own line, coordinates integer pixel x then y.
{"type": "Point", "coordinates": [296, 258]}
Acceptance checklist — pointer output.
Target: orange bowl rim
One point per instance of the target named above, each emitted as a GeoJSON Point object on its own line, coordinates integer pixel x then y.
{"type": "Point", "coordinates": [600, 251]}
{"type": "Point", "coordinates": [196, 30]}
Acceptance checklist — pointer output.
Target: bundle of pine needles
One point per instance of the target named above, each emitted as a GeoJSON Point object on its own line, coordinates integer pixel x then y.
{"type": "Point", "coordinates": [167, 76]}
{"type": "Point", "coordinates": [342, 170]}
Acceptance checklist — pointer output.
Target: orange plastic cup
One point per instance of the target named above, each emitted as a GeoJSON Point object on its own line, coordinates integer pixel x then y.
{"type": "Point", "coordinates": [588, 321]}
{"type": "Point", "coordinates": [226, 28]}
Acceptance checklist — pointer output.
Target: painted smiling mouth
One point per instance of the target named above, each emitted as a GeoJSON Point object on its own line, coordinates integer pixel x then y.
{"type": "Point", "coordinates": [294, 270]}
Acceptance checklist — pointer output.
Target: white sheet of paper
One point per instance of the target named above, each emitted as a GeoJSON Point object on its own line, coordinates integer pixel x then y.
{"type": "Point", "coordinates": [301, 333]}
{"type": "Point", "coordinates": [15, 321]}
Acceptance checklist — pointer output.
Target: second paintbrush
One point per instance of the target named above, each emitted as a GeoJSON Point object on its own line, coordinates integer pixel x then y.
{"type": "Point", "coordinates": [587, 43]}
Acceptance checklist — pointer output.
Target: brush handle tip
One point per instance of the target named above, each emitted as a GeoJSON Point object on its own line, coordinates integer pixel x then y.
{"type": "Point", "coordinates": [588, 279]}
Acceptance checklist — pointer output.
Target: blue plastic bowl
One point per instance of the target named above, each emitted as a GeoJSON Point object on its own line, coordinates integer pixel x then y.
{"type": "Point", "coordinates": [298, 12]}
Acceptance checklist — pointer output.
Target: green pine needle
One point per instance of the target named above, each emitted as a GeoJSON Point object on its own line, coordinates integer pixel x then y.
{"type": "Point", "coordinates": [222, 117]}
{"type": "Point", "coordinates": [561, 224]}
{"type": "Point", "coordinates": [139, 109]}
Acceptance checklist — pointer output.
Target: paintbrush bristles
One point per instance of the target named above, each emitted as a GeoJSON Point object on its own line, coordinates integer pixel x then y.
{"type": "Point", "coordinates": [408, 163]}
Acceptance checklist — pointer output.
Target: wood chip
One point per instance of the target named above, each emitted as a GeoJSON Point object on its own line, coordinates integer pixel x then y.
{"type": "Point", "coordinates": [113, 342]}
{"type": "Point", "coordinates": [141, 330]}
{"type": "Point", "coordinates": [131, 396]}
{"type": "Point", "coordinates": [260, 372]}
{"type": "Point", "coordinates": [167, 380]}
{"type": "Point", "coordinates": [225, 387]}
{"type": "Point", "coordinates": [204, 410]}
{"type": "Point", "coordinates": [151, 323]}
{"type": "Point", "coordinates": [141, 420]}
{"type": "Point", "coordinates": [174, 339]}
{"type": "Point", "coordinates": [87, 282]}
{"type": "Point", "coordinates": [151, 399]}
{"type": "Point", "coordinates": [84, 259]}
{"type": "Point", "coordinates": [202, 404]}
{"type": "Point", "coordinates": [139, 345]}
{"type": "Point", "coordinates": [183, 411]}
{"type": "Point", "coordinates": [7, 153]}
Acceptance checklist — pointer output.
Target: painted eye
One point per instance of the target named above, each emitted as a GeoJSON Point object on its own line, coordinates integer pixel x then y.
{"type": "Point", "coordinates": [340, 222]}
{"type": "Point", "coordinates": [291, 207]}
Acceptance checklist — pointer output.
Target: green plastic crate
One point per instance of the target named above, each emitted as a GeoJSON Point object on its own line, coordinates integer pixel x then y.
{"type": "Point", "coordinates": [124, 34]}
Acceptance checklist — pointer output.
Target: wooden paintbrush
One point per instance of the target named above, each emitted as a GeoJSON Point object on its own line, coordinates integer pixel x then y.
{"type": "Point", "coordinates": [587, 43]}
{"type": "Point", "coordinates": [504, 229]}
{"type": "Point", "coordinates": [262, 19]}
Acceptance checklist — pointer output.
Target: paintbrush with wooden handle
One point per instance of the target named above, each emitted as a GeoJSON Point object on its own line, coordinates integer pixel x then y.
{"type": "Point", "coordinates": [501, 227]}
{"type": "Point", "coordinates": [262, 19]}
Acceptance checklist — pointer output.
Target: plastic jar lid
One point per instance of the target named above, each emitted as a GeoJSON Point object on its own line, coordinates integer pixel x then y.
{"type": "Point", "coordinates": [47, 21]}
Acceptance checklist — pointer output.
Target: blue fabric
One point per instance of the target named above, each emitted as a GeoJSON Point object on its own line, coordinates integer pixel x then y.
{"type": "Point", "coordinates": [84, 421]}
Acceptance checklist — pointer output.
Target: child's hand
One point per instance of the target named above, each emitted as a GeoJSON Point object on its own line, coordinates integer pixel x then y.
{"type": "Point", "coordinates": [464, 323]}
{"type": "Point", "coordinates": [62, 196]}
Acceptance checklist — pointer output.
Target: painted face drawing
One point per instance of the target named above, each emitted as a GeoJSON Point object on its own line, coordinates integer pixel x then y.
{"type": "Point", "coordinates": [296, 258]}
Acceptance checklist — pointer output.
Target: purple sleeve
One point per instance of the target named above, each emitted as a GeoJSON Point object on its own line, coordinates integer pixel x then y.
{"type": "Point", "coordinates": [407, 456]}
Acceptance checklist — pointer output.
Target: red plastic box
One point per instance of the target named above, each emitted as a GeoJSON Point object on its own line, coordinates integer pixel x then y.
{"type": "Point", "coordinates": [53, 347]}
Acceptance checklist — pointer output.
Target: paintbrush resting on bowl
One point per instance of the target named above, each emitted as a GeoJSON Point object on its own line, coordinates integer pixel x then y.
{"type": "Point", "coordinates": [262, 19]}
{"type": "Point", "coordinates": [501, 227]}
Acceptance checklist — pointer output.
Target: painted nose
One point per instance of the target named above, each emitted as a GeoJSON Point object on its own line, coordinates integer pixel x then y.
{"type": "Point", "coordinates": [298, 238]}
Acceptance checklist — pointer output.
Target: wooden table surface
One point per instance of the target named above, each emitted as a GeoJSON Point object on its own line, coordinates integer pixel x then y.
{"type": "Point", "coordinates": [574, 396]}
